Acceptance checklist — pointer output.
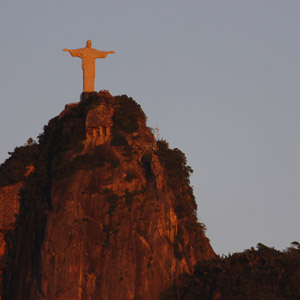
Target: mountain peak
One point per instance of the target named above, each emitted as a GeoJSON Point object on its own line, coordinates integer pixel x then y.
{"type": "Point", "coordinates": [106, 212]}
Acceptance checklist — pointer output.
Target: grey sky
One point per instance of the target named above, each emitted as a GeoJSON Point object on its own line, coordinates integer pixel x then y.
{"type": "Point", "coordinates": [219, 78]}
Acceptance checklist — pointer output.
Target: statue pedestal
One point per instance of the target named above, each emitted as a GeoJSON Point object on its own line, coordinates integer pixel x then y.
{"type": "Point", "coordinates": [85, 95]}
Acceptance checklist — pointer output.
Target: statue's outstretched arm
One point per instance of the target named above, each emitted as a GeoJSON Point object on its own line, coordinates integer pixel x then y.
{"type": "Point", "coordinates": [75, 52]}
{"type": "Point", "coordinates": [102, 54]}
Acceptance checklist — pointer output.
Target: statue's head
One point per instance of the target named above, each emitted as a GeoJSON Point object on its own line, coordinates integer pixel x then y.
{"type": "Point", "coordinates": [88, 44]}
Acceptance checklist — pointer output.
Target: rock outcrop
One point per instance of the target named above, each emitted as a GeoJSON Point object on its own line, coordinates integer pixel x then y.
{"type": "Point", "coordinates": [106, 211]}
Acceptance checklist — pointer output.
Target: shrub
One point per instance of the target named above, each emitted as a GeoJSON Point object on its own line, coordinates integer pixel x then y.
{"type": "Point", "coordinates": [264, 273]}
{"type": "Point", "coordinates": [127, 115]}
{"type": "Point", "coordinates": [118, 139]}
{"type": "Point", "coordinates": [178, 173]}
{"type": "Point", "coordinates": [14, 168]}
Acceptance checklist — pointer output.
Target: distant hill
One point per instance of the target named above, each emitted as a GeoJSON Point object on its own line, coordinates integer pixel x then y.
{"type": "Point", "coordinates": [259, 274]}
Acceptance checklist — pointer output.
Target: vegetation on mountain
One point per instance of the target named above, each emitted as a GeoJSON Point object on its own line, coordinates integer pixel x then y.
{"type": "Point", "coordinates": [264, 273]}
{"type": "Point", "coordinates": [67, 133]}
{"type": "Point", "coordinates": [127, 115]}
{"type": "Point", "coordinates": [14, 168]}
{"type": "Point", "coordinates": [178, 174]}
{"type": "Point", "coordinates": [118, 139]}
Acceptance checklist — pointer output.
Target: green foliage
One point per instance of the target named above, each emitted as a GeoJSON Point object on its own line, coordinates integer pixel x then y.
{"type": "Point", "coordinates": [14, 168]}
{"type": "Point", "coordinates": [62, 134]}
{"type": "Point", "coordinates": [126, 118]}
{"type": "Point", "coordinates": [174, 162]}
{"type": "Point", "coordinates": [66, 133]}
{"type": "Point", "coordinates": [195, 227]}
{"type": "Point", "coordinates": [30, 142]}
{"type": "Point", "coordinates": [264, 273]}
{"type": "Point", "coordinates": [178, 173]}
{"type": "Point", "coordinates": [127, 115]}
{"type": "Point", "coordinates": [118, 139]}
{"type": "Point", "coordinates": [177, 177]}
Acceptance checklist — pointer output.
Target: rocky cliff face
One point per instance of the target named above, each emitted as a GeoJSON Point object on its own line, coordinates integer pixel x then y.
{"type": "Point", "coordinates": [98, 209]}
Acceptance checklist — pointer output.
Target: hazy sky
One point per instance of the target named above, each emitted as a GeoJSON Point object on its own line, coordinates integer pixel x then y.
{"type": "Point", "coordinates": [220, 79]}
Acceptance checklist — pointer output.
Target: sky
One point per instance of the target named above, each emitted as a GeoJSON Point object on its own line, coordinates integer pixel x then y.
{"type": "Point", "coordinates": [220, 79]}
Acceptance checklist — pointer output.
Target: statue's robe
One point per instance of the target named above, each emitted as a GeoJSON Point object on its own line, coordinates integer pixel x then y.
{"type": "Point", "coordinates": [88, 56]}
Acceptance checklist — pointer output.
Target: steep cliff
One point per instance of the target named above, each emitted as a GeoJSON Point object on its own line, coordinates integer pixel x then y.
{"type": "Point", "coordinates": [98, 209]}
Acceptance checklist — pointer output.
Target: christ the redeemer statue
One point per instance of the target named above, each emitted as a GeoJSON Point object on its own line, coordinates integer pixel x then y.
{"type": "Point", "coordinates": [88, 56]}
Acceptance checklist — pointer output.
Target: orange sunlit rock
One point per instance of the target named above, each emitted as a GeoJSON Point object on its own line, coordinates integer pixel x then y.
{"type": "Point", "coordinates": [101, 220]}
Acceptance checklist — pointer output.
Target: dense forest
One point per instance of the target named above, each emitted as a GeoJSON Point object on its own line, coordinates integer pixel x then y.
{"type": "Point", "coordinates": [262, 274]}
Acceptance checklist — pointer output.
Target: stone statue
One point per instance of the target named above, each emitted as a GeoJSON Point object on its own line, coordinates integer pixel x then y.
{"type": "Point", "coordinates": [88, 56]}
